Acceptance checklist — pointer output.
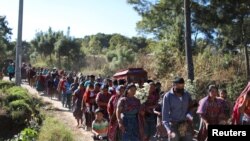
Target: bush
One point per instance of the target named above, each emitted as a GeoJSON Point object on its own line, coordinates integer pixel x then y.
{"type": "Point", "coordinates": [17, 93]}
{"type": "Point", "coordinates": [53, 130]}
{"type": "Point", "coordinates": [235, 88]}
{"type": "Point", "coordinates": [19, 117]}
{"type": "Point", "coordinates": [18, 105]}
{"type": "Point", "coordinates": [28, 134]}
{"type": "Point", "coordinates": [6, 84]}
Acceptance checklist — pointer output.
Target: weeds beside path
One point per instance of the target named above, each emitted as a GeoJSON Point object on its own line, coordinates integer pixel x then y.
{"type": "Point", "coordinates": [61, 114]}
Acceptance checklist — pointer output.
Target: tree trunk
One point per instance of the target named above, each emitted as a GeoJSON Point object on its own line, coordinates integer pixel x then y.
{"type": "Point", "coordinates": [59, 61]}
{"type": "Point", "coordinates": [69, 65]}
{"type": "Point", "coordinates": [50, 58]}
{"type": "Point", "coordinates": [188, 49]}
{"type": "Point", "coordinates": [245, 47]}
{"type": "Point", "coordinates": [247, 61]}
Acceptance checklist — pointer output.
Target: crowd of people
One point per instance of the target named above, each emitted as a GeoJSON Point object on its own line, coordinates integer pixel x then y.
{"type": "Point", "coordinates": [112, 112]}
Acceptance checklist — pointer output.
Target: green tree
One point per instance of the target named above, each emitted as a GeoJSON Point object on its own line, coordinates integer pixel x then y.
{"type": "Point", "coordinates": [70, 48]}
{"type": "Point", "coordinates": [157, 16]}
{"type": "Point", "coordinates": [95, 46]}
{"type": "Point", "coordinates": [228, 22]}
{"type": "Point", "coordinates": [122, 58]}
{"type": "Point", "coordinates": [5, 36]}
{"type": "Point", "coordinates": [139, 42]}
{"type": "Point", "coordinates": [118, 40]}
{"type": "Point", "coordinates": [44, 42]}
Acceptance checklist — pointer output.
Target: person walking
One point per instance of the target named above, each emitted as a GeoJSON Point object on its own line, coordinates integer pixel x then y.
{"type": "Point", "coordinates": [176, 115]}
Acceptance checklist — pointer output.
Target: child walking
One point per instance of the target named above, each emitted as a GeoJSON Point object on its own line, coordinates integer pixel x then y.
{"type": "Point", "coordinates": [100, 126]}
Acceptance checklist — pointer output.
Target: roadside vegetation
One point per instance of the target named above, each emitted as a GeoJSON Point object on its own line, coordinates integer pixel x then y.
{"type": "Point", "coordinates": [23, 117]}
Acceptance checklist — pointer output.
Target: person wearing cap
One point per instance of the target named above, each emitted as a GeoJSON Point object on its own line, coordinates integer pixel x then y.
{"type": "Point", "coordinates": [127, 111]}
{"type": "Point", "coordinates": [176, 112]}
{"type": "Point", "coordinates": [113, 133]}
{"type": "Point", "coordinates": [100, 126]}
{"type": "Point", "coordinates": [210, 110]}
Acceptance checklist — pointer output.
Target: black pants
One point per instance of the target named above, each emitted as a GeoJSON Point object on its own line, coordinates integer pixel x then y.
{"type": "Point", "coordinates": [97, 138]}
{"type": "Point", "coordinates": [11, 75]}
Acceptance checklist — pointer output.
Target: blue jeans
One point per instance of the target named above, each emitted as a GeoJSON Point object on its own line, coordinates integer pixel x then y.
{"type": "Point", "coordinates": [131, 128]}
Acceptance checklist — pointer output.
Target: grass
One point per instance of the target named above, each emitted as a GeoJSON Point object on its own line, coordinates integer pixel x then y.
{"type": "Point", "coordinates": [53, 130]}
{"type": "Point", "coordinates": [6, 84]}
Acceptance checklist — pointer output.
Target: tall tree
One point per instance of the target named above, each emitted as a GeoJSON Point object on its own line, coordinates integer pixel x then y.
{"type": "Point", "coordinates": [227, 22]}
{"type": "Point", "coordinates": [70, 48]}
{"type": "Point", "coordinates": [117, 40]}
{"type": "Point", "coordinates": [158, 16]}
{"type": "Point", "coordinates": [5, 36]}
{"type": "Point", "coordinates": [189, 60]}
{"type": "Point", "coordinates": [44, 42]}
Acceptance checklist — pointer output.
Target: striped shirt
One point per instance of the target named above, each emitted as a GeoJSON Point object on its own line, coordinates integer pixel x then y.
{"type": "Point", "coordinates": [101, 127]}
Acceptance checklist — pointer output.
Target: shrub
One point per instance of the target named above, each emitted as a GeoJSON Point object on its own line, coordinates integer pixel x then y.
{"type": "Point", "coordinates": [192, 88]}
{"type": "Point", "coordinates": [20, 105]}
{"type": "Point", "coordinates": [28, 134]}
{"type": "Point", "coordinates": [19, 117]}
{"type": "Point", "coordinates": [53, 130]}
{"type": "Point", "coordinates": [6, 84]}
{"type": "Point", "coordinates": [235, 88]}
{"type": "Point", "coordinates": [17, 93]}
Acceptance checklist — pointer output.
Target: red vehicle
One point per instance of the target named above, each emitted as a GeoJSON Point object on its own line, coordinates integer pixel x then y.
{"type": "Point", "coordinates": [132, 75]}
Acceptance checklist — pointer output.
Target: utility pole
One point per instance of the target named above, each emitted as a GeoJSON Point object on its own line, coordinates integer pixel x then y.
{"type": "Point", "coordinates": [188, 49]}
{"type": "Point", "coordinates": [19, 45]}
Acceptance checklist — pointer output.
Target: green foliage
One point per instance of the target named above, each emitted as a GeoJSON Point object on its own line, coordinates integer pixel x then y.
{"type": "Point", "coordinates": [31, 132]}
{"type": "Point", "coordinates": [20, 105]}
{"type": "Point", "coordinates": [192, 88]}
{"type": "Point", "coordinates": [122, 59]}
{"type": "Point", "coordinates": [5, 33]}
{"type": "Point", "coordinates": [53, 130]}
{"type": "Point", "coordinates": [157, 16]}
{"type": "Point", "coordinates": [28, 134]}
{"type": "Point", "coordinates": [235, 87]}
{"type": "Point", "coordinates": [44, 42]}
{"type": "Point", "coordinates": [95, 45]}
{"type": "Point", "coordinates": [110, 55]}
{"type": "Point", "coordinates": [6, 84]}
{"type": "Point", "coordinates": [17, 93]}
{"type": "Point", "coordinates": [20, 117]}
{"type": "Point", "coordinates": [117, 40]}
{"type": "Point", "coordinates": [70, 48]}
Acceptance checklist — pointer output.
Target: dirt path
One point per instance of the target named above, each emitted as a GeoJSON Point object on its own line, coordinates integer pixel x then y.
{"type": "Point", "coordinates": [62, 114]}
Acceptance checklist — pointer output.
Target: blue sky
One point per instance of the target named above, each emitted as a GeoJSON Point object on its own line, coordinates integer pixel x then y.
{"type": "Point", "coordinates": [85, 17]}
